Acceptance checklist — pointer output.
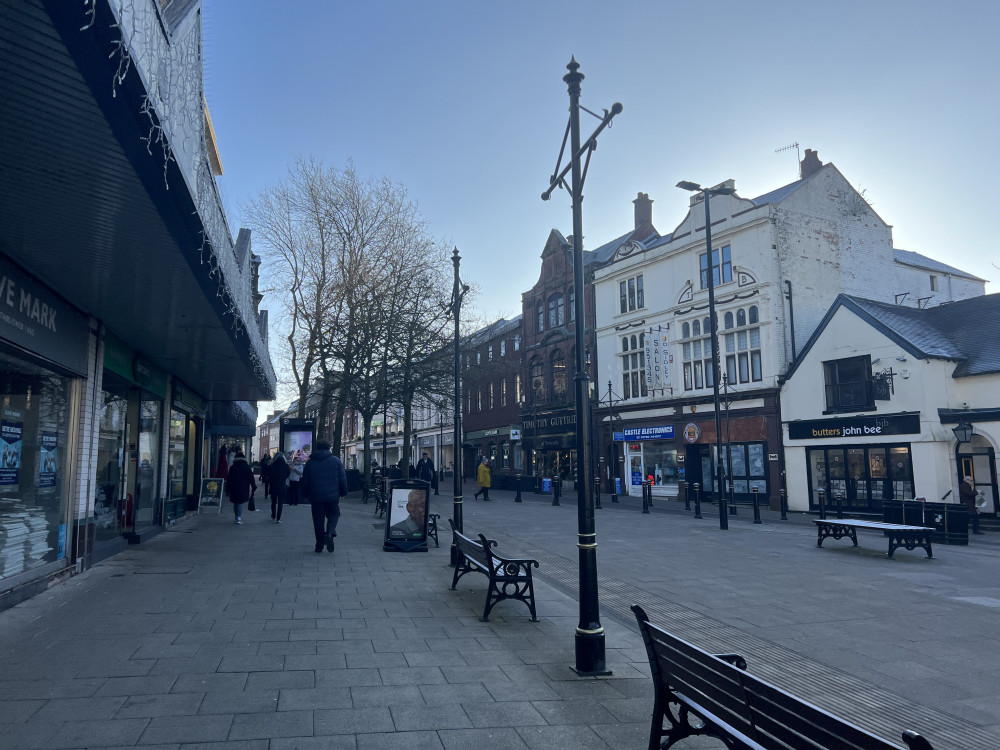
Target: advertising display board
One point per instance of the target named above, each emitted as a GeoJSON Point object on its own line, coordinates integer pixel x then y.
{"type": "Point", "coordinates": [211, 493]}
{"type": "Point", "coordinates": [296, 438]}
{"type": "Point", "coordinates": [406, 521]}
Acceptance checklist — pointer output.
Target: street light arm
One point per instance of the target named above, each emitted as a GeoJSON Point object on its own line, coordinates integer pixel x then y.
{"type": "Point", "coordinates": [588, 145]}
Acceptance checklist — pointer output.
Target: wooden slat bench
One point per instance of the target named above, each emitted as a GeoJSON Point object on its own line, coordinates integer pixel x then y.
{"type": "Point", "coordinates": [899, 535]}
{"type": "Point", "coordinates": [698, 693]}
{"type": "Point", "coordinates": [509, 578]}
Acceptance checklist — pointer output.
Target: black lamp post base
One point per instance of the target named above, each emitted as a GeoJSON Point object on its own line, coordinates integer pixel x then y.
{"type": "Point", "coordinates": [590, 655]}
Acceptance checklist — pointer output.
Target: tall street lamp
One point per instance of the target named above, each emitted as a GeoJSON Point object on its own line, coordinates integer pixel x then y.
{"type": "Point", "coordinates": [706, 195]}
{"type": "Point", "coordinates": [589, 643]}
{"type": "Point", "coordinates": [455, 308]}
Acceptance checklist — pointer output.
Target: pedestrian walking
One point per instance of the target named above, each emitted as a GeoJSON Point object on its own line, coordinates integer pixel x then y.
{"type": "Point", "coordinates": [278, 473]}
{"type": "Point", "coordinates": [240, 485]}
{"type": "Point", "coordinates": [425, 468]}
{"type": "Point", "coordinates": [324, 482]}
{"type": "Point", "coordinates": [294, 479]}
{"type": "Point", "coordinates": [483, 477]}
{"type": "Point", "coordinates": [967, 493]}
{"type": "Point", "coordinates": [265, 480]}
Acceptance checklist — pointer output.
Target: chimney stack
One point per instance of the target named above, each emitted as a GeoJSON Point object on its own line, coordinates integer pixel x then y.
{"type": "Point", "coordinates": [643, 210]}
{"type": "Point", "coordinates": [810, 164]}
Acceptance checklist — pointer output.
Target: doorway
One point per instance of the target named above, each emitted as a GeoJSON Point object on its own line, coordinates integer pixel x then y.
{"type": "Point", "coordinates": [978, 460]}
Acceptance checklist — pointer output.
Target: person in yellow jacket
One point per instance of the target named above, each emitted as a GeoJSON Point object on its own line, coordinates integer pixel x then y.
{"type": "Point", "coordinates": [483, 477]}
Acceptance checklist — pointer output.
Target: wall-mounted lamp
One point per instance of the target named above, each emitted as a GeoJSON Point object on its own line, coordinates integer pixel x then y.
{"type": "Point", "coordinates": [963, 432]}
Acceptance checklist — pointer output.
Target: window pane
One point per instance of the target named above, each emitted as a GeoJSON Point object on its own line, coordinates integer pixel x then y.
{"type": "Point", "coordinates": [696, 328]}
{"type": "Point", "coordinates": [638, 286]}
{"type": "Point", "coordinates": [709, 373]}
{"type": "Point", "coordinates": [731, 368]}
{"type": "Point", "coordinates": [635, 361]}
{"type": "Point", "coordinates": [741, 340]}
{"type": "Point", "coordinates": [755, 365]}
{"type": "Point", "coordinates": [687, 376]}
{"type": "Point", "coordinates": [741, 317]}
{"type": "Point", "coordinates": [698, 380]}
{"type": "Point", "coordinates": [687, 351]}
{"type": "Point", "coordinates": [754, 315]}
{"type": "Point", "coordinates": [730, 342]}
{"type": "Point", "coordinates": [642, 386]}
{"type": "Point", "coordinates": [728, 320]}
{"type": "Point", "coordinates": [754, 338]}
{"type": "Point", "coordinates": [631, 294]}
{"type": "Point", "coordinates": [744, 368]}
{"type": "Point", "coordinates": [621, 297]}
{"type": "Point", "coordinates": [685, 331]}
{"type": "Point", "coordinates": [696, 347]}
{"type": "Point", "coordinates": [626, 392]}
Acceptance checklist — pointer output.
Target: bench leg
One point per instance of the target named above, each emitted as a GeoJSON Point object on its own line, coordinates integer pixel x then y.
{"type": "Point", "coordinates": [910, 542]}
{"type": "Point", "coordinates": [521, 589]}
{"type": "Point", "coordinates": [837, 532]}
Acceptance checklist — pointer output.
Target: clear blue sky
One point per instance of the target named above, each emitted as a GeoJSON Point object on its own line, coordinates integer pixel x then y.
{"type": "Point", "coordinates": [464, 104]}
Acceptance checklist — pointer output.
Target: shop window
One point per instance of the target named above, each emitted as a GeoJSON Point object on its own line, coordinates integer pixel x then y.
{"type": "Point", "coordinates": [633, 366]}
{"type": "Point", "coordinates": [557, 311]}
{"type": "Point", "coordinates": [722, 267]}
{"type": "Point", "coordinates": [848, 384]}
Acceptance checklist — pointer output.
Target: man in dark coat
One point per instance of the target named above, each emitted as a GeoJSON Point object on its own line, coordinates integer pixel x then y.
{"type": "Point", "coordinates": [277, 473]}
{"type": "Point", "coordinates": [324, 482]}
{"type": "Point", "coordinates": [265, 462]}
{"type": "Point", "coordinates": [425, 468]}
{"type": "Point", "coordinates": [240, 485]}
{"type": "Point", "coordinates": [967, 493]}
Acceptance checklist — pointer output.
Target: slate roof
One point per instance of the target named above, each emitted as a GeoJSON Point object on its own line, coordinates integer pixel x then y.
{"type": "Point", "coordinates": [775, 196]}
{"type": "Point", "coordinates": [966, 332]}
{"type": "Point", "coordinates": [911, 258]}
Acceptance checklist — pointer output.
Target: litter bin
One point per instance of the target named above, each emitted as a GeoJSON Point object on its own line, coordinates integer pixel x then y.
{"type": "Point", "coordinates": [950, 522]}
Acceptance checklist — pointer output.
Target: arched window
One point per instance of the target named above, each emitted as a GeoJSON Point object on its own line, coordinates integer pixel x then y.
{"type": "Point", "coordinates": [729, 320]}
{"type": "Point", "coordinates": [536, 371]}
{"type": "Point", "coordinates": [558, 374]}
{"type": "Point", "coordinates": [685, 331]}
{"type": "Point", "coordinates": [754, 315]}
{"type": "Point", "coordinates": [635, 344]}
{"type": "Point", "coordinates": [696, 328]}
{"type": "Point", "coordinates": [706, 326]}
{"type": "Point", "coordinates": [541, 317]}
{"type": "Point", "coordinates": [642, 340]}
{"type": "Point", "coordinates": [741, 317]}
{"type": "Point", "coordinates": [557, 313]}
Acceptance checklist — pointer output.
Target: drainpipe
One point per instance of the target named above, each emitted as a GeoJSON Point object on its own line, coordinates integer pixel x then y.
{"type": "Point", "coordinates": [791, 315]}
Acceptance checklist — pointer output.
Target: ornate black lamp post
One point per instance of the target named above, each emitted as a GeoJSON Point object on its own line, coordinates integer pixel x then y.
{"type": "Point", "coordinates": [706, 194]}
{"type": "Point", "coordinates": [455, 308]}
{"type": "Point", "coordinates": [590, 655]}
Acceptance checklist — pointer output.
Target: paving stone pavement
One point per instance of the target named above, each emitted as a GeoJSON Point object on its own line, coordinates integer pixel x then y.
{"type": "Point", "coordinates": [213, 635]}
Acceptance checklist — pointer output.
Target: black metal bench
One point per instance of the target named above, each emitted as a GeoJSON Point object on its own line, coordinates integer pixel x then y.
{"type": "Point", "coordinates": [698, 693]}
{"type": "Point", "coordinates": [509, 578]}
{"type": "Point", "coordinates": [432, 527]}
{"type": "Point", "coordinates": [899, 535]}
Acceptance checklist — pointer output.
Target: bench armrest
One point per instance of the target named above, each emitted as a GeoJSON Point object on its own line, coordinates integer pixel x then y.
{"type": "Point", "coordinates": [735, 659]}
{"type": "Point", "coordinates": [916, 742]}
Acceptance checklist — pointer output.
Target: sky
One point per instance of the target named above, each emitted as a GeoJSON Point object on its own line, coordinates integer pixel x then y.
{"type": "Point", "coordinates": [463, 103]}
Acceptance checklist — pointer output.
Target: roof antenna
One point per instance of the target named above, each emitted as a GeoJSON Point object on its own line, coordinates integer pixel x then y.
{"type": "Point", "coordinates": [789, 147]}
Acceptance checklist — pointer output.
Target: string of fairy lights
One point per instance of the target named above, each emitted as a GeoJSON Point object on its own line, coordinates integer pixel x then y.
{"type": "Point", "coordinates": [171, 73]}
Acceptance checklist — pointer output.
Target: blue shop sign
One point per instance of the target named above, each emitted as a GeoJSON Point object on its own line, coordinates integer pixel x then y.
{"type": "Point", "coordinates": [663, 432]}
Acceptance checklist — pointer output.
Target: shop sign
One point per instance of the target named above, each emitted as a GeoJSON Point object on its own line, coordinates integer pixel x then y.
{"type": "Point", "coordinates": [854, 427]}
{"type": "Point", "coordinates": [515, 434]}
{"type": "Point", "coordinates": [149, 376]}
{"type": "Point", "coordinates": [554, 423]}
{"type": "Point", "coordinates": [772, 456]}
{"type": "Point", "coordinates": [691, 432]}
{"type": "Point", "coordinates": [663, 432]}
{"type": "Point", "coordinates": [34, 318]}
{"type": "Point", "coordinates": [122, 360]}
{"type": "Point", "coordinates": [188, 400]}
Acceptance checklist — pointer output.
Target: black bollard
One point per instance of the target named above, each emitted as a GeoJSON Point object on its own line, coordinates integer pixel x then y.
{"type": "Point", "coordinates": [650, 493]}
{"type": "Point", "coordinates": [756, 506]}
{"type": "Point", "coordinates": [687, 495]}
{"type": "Point", "coordinates": [517, 487]}
{"type": "Point", "coordinates": [645, 492]}
{"type": "Point", "coordinates": [555, 490]}
{"type": "Point", "coordinates": [840, 506]}
{"type": "Point", "coordinates": [697, 500]}
{"type": "Point", "coordinates": [597, 493]}
{"type": "Point", "coordinates": [784, 505]}
{"type": "Point", "coordinates": [821, 493]}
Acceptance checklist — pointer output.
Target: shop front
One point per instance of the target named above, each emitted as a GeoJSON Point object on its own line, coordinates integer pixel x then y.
{"type": "Point", "coordinates": [652, 454]}
{"type": "Point", "coordinates": [184, 467]}
{"type": "Point", "coordinates": [857, 463]}
{"type": "Point", "coordinates": [495, 445]}
{"type": "Point", "coordinates": [43, 364]}
{"type": "Point", "coordinates": [441, 449]}
{"type": "Point", "coordinates": [550, 444]}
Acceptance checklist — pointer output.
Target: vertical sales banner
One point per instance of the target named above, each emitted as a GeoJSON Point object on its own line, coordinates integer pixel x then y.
{"type": "Point", "coordinates": [657, 359]}
{"type": "Point", "coordinates": [10, 440]}
{"type": "Point", "coordinates": [50, 460]}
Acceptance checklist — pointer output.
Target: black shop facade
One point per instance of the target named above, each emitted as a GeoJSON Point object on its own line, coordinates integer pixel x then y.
{"type": "Point", "coordinates": [549, 441]}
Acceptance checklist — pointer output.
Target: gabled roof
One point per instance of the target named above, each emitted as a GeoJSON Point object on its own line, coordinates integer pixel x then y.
{"type": "Point", "coordinates": [966, 331]}
{"type": "Point", "coordinates": [776, 196]}
{"type": "Point", "coordinates": [911, 258]}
